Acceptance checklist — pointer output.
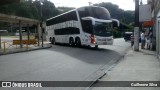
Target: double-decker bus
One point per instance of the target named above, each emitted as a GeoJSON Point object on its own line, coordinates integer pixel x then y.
{"type": "Point", "coordinates": [89, 25]}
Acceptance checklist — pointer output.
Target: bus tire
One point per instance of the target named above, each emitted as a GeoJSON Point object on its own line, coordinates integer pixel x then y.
{"type": "Point", "coordinates": [50, 39]}
{"type": "Point", "coordinates": [71, 42]}
{"type": "Point", "coordinates": [78, 42]}
{"type": "Point", "coordinates": [96, 47]}
{"type": "Point", "coordinates": [53, 41]}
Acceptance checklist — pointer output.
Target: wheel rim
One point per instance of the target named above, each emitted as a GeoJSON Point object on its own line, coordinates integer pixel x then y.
{"type": "Point", "coordinates": [53, 41]}
{"type": "Point", "coordinates": [71, 42]}
{"type": "Point", "coordinates": [78, 42]}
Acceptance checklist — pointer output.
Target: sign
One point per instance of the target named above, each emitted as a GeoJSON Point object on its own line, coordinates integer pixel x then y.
{"type": "Point", "coordinates": [148, 23]}
{"type": "Point", "coordinates": [42, 84]}
{"type": "Point", "coordinates": [145, 13]}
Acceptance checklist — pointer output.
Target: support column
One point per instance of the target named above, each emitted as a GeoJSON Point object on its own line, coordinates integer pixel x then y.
{"type": "Point", "coordinates": [0, 41]}
{"type": "Point", "coordinates": [11, 28]}
{"type": "Point", "coordinates": [154, 31]}
{"type": "Point", "coordinates": [39, 33]}
{"type": "Point", "coordinates": [28, 33]}
{"type": "Point", "coordinates": [42, 33]}
{"type": "Point", "coordinates": [35, 33]}
{"type": "Point", "coordinates": [42, 36]}
{"type": "Point", "coordinates": [136, 38]}
{"type": "Point", "coordinates": [20, 34]}
{"type": "Point", "coordinates": [158, 37]}
{"type": "Point", "coordinates": [136, 28]}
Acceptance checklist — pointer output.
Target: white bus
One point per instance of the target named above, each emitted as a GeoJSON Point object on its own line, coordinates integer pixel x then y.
{"type": "Point", "coordinates": [90, 25]}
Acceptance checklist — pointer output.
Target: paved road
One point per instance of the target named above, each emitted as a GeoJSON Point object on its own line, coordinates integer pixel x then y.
{"type": "Point", "coordinates": [61, 63]}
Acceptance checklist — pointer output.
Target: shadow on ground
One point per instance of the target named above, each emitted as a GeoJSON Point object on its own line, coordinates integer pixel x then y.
{"type": "Point", "coordinates": [87, 54]}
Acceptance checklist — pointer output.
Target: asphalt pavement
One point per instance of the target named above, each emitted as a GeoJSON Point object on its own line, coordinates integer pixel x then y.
{"type": "Point", "coordinates": [61, 63]}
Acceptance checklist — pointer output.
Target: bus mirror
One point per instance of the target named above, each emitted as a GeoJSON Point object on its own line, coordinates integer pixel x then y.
{"type": "Point", "coordinates": [86, 18]}
{"type": "Point", "coordinates": [115, 22]}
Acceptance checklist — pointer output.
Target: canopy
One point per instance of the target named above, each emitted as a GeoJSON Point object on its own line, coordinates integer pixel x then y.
{"type": "Point", "coordinates": [16, 19]}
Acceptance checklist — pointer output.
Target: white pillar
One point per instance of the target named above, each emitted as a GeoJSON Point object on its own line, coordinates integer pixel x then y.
{"type": "Point", "coordinates": [136, 38]}
{"type": "Point", "coordinates": [0, 40]}
{"type": "Point", "coordinates": [39, 33]}
{"type": "Point", "coordinates": [20, 34]}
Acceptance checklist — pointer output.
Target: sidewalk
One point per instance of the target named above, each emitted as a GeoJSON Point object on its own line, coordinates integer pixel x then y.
{"type": "Point", "coordinates": [135, 66]}
{"type": "Point", "coordinates": [24, 49]}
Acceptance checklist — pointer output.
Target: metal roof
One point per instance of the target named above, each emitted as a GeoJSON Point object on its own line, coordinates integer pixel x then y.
{"type": "Point", "coordinates": [16, 19]}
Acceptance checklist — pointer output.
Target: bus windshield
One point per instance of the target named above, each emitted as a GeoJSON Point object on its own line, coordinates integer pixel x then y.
{"type": "Point", "coordinates": [99, 13]}
{"type": "Point", "coordinates": [102, 29]}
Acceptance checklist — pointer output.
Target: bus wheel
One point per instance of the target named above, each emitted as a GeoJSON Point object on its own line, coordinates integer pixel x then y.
{"type": "Point", "coordinates": [50, 39]}
{"type": "Point", "coordinates": [71, 42]}
{"type": "Point", "coordinates": [96, 47]}
{"type": "Point", "coordinates": [78, 42]}
{"type": "Point", "coordinates": [53, 41]}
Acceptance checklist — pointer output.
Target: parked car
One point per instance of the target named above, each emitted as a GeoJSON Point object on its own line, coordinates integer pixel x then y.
{"type": "Point", "coordinates": [127, 36]}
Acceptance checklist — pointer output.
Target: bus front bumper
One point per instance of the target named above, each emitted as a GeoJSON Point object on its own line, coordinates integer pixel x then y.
{"type": "Point", "coordinates": [108, 41]}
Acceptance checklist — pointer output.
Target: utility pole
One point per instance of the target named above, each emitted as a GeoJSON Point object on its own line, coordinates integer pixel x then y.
{"type": "Point", "coordinates": [136, 28]}
{"type": "Point", "coordinates": [141, 23]}
{"type": "Point", "coordinates": [41, 3]}
{"type": "Point", "coordinates": [28, 32]}
{"type": "Point", "coordinates": [90, 3]}
{"type": "Point", "coordinates": [11, 27]}
{"type": "Point", "coordinates": [0, 41]}
{"type": "Point", "coordinates": [20, 34]}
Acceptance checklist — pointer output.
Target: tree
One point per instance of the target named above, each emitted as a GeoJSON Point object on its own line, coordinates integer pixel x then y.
{"type": "Point", "coordinates": [116, 12]}
{"type": "Point", "coordinates": [49, 10]}
{"type": "Point", "coordinates": [65, 9]}
{"type": "Point", "coordinates": [31, 9]}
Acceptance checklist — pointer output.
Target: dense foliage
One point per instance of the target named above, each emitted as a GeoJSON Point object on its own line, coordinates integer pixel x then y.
{"type": "Point", "coordinates": [116, 12]}
{"type": "Point", "coordinates": [31, 9]}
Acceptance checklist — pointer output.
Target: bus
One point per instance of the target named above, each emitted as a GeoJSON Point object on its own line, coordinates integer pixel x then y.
{"type": "Point", "coordinates": [89, 25]}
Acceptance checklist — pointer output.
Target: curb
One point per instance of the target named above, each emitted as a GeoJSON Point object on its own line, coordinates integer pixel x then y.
{"type": "Point", "coordinates": [25, 50]}
{"type": "Point", "coordinates": [121, 57]}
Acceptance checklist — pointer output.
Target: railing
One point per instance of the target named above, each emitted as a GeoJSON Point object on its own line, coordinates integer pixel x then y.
{"type": "Point", "coordinates": [6, 46]}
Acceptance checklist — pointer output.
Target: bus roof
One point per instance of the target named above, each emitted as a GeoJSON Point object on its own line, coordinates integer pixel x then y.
{"type": "Point", "coordinates": [61, 14]}
{"type": "Point", "coordinates": [71, 11]}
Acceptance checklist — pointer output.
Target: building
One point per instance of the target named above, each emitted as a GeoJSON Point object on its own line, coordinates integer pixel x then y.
{"type": "Point", "coordinates": [155, 6]}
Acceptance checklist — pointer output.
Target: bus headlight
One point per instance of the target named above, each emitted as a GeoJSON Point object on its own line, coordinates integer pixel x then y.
{"type": "Point", "coordinates": [95, 40]}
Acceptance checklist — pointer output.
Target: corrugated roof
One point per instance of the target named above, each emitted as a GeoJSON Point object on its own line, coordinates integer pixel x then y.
{"type": "Point", "coordinates": [16, 19]}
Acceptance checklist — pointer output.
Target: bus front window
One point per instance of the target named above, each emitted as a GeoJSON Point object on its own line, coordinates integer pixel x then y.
{"type": "Point", "coordinates": [102, 29]}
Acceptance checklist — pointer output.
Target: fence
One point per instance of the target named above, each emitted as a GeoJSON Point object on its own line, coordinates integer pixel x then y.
{"type": "Point", "coordinates": [10, 46]}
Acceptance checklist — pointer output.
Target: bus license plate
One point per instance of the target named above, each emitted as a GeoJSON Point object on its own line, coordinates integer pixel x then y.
{"type": "Point", "coordinates": [105, 43]}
